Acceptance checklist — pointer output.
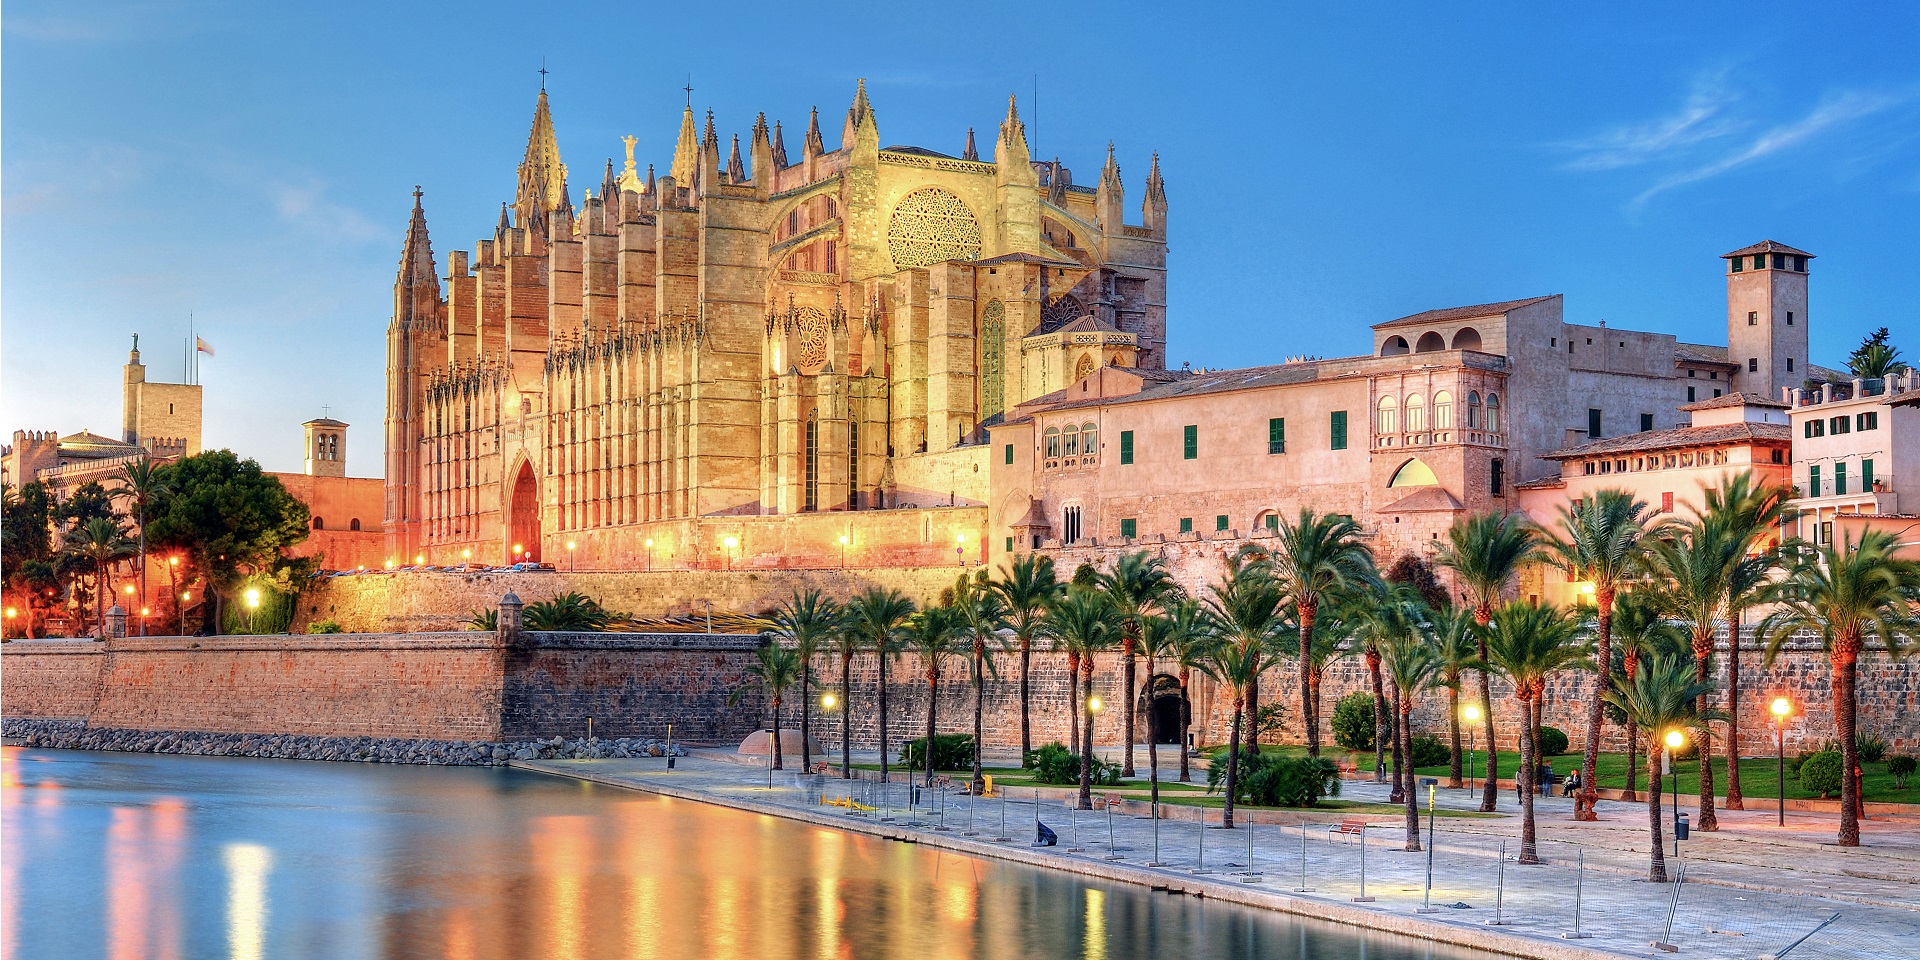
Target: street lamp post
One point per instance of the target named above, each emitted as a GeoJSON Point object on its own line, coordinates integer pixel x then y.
{"type": "Point", "coordinates": [1782, 708]}
{"type": "Point", "coordinates": [733, 545]}
{"type": "Point", "coordinates": [1471, 713]}
{"type": "Point", "coordinates": [959, 548]}
{"type": "Point", "coordinates": [843, 550]}
{"type": "Point", "coordinates": [570, 546]}
{"type": "Point", "coordinates": [1675, 740]}
{"type": "Point", "coordinates": [649, 553]}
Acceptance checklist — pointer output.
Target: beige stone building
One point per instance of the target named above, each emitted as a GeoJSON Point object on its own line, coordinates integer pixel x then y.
{"type": "Point", "coordinates": [1856, 458]}
{"type": "Point", "coordinates": [690, 368]}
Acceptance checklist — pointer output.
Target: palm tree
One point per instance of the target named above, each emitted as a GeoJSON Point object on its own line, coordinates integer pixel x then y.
{"type": "Point", "coordinates": [1752, 514]}
{"type": "Point", "coordinates": [1606, 539]}
{"type": "Point", "coordinates": [1192, 650]}
{"type": "Point", "coordinates": [1660, 698]}
{"type": "Point", "coordinates": [1138, 584]}
{"type": "Point", "coordinates": [1848, 594]}
{"type": "Point", "coordinates": [1316, 559]}
{"type": "Point", "coordinates": [876, 618]}
{"type": "Point", "coordinates": [142, 483]}
{"type": "Point", "coordinates": [1692, 565]}
{"type": "Point", "coordinates": [1176, 632]}
{"type": "Point", "coordinates": [1084, 622]}
{"type": "Point", "coordinates": [1486, 551]}
{"type": "Point", "coordinates": [1243, 613]}
{"type": "Point", "coordinates": [933, 634]}
{"type": "Point", "coordinates": [1526, 644]}
{"type": "Point", "coordinates": [1641, 633]}
{"type": "Point", "coordinates": [102, 543]}
{"type": "Point", "coordinates": [1026, 590]}
{"type": "Point", "coordinates": [807, 621]}
{"type": "Point", "coordinates": [1412, 664]}
{"type": "Point", "coordinates": [1385, 616]}
{"type": "Point", "coordinates": [980, 614]}
{"type": "Point", "coordinates": [1455, 646]}
{"type": "Point", "coordinates": [848, 642]}
{"type": "Point", "coordinates": [778, 668]}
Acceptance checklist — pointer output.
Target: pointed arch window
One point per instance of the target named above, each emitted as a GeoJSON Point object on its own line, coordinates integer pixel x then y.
{"type": "Point", "coordinates": [812, 466]}
{"type": "Point", "coordinates": [993, 358]}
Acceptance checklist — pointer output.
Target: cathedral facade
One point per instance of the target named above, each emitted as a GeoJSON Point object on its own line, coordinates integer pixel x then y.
{"type": "Point", "coordinates": [750, 341]}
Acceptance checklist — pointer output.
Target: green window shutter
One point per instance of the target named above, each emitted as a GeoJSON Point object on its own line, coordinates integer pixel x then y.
{"type": "Point", "coordinates": [1190, 442]}
{"type": "Point", "coordinates": [1009, 454]}
{"type": "Point", "coordinates": [1866, 476]}
{"type": "Point", "coordinates": [1126, 446]}
{"type": "Point", "coordinates": [1273, 521]}
{"type": "Point", "coordinates": [1009, 544]}
{"type": "Point", "coordinates": [1128, 528]}
{"type": "Point", "coordinates": [1692, 394]}
{"type": "Point", "coordinates": [1220, 522]}
{"type": "Point", "coordinates": [1277, 435]}
{"type": "Point", "coordinates": [1593, 423]}
{"type": "Point", "coordinates": [1813, 481]}
{"type": "Point", "coordinates": [1339, 428]}
{"type": "Point", "coordinates": [1839, 479]}
{"type": "Point", "coordinates": [1186, 524]}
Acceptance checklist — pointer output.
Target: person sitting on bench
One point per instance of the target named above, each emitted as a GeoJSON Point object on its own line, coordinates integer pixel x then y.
{"type": "Point", "coordinates": [1046, 837]}
{"type": "Point", "coordinates": [1571, 785]}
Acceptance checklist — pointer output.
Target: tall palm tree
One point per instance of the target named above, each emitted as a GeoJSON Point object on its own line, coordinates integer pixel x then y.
{"type": "Point", "coordinates": [1485, 552]}
{"type": "Point", "coordinates": [1234, 664]}
{"type": "Point", "coordinates": [1174, 632]}
{"type": "Point", "coordinates": [1606, 537]}
{"type": "Point", "coordinates": [1662, 697]}
{"type": "Point", "coordinates": [778, 668]}
{"type": "Point", "coordinates": [1136, 586]}
{"type": "Point", "coordinates": [847, 642]}
{"type": "Point", "coordinates": [1751, 513]}
{"type": "Point", "coordinates": [1243, 612]}
{"type": "Point", "coordinates": [1385, 616]}
{"type": "Point", "coordinates": [142, 484]}
{"type": "Point", "coordinates": [1027, 588]}
{"type": "Point", "coordinates": [1084, 622]}
{"type": "Point", "coordinates": [1526, 644]}
{"type": "Point", "coordinates": [980, 614]}
{"type": "Point", "coordinates": [876, 618]}
{"type": "Point", "coordinates": [1191, 649]}
{"type": "Point", "coordinates": [1641, 633]}
{"type": "Point", "coordinates": [1412, 663]}
{"type": "Point", "coordinates": [1849, 594]}
{"type": "Point", "coordinates": [807, 621]}
{"type": "Point", "coordinates": [102, 543]}
{"type": "Point", "coordinates": [1317, 558]}
{"type": "Point", "coordinates": [1456, 646]}
{"type": "Point", "coordinates": [1691, 566]}
{"type": "Point", "coordinates": [933, 634]}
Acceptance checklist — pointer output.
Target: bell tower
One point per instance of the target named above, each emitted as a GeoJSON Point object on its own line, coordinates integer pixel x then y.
{"type": "Point", "coordinates": [326, 447]}
{"type": "Point", "coordinates": [1767, 317]}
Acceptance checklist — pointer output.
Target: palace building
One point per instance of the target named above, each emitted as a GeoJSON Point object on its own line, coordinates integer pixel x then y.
{"type": "Point", "coordinates": [757, 353]}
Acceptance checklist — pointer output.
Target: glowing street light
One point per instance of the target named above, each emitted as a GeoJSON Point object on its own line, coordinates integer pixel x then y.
{"type": "Point", "coordinates": [829, 701]}
{"type": "Point", "coordinates": [843, 550]}
{"type": "Point", "coordinates": [1471, 714]}
{"type": "Point", "coordinates": [1675, 740]}
{"type": "Point", "coordinates": [733, 545]}
{"type": "Point", "coordinates": [570, 546]}
{"type": "Point", "coordinates": [419, 558]}
{"type": "Point", "coordinates": [959, 546]}
{"type": "Point", "coordinates": [1782, 708]}
{"type": "Point", "coordinates": [649, 553]}
{"type": "Point", "coordinates": [253, 599]}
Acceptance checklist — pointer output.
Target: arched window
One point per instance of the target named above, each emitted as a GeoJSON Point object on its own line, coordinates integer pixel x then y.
{"type": "Point", "coordinates": [1416, 413]}
{"type": "Point", "coordinates": [1413, 473]}
{"type": "Point", "coordinates": [1389, 416]}
{"type": "Point", "coordinates": [1394, 346]}
{"type": "Point", "coordinates": [1473, 410]}
{"type": "Point", "coordinates": [1466, 338]}
{"type": "Point", "coordinates": [353, 524]}
{"type": "Point", "coordinates": [1430, 342]}
{"type": "Point", "coordinates": [1443, 411]}
{"type": "Point", "coordinates": [1089, 442]}
{"type": "Point", "coordinates": [1493, 413]}
{"type": "Point", "coordinates": [1053, 443]}
{"type": "Point", "coordinates": [319, 523]}
{"type": "Point", "coordinates": [1073, 440]}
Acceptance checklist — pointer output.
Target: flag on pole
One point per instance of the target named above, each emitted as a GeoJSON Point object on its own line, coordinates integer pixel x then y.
{"type": "Point", "coordinates": [202, 346]}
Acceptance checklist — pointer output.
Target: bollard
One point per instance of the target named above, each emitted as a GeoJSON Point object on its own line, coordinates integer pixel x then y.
{"type": "Point", "coordinates": [1200, 865]}
{"type": "Point", "coordinates": [1579, 881]}
{"type": "Point", "coordinates": [1500, 891]}
{"type": "Point", "coordinates": [1003, 838]}
{"type": "Point", "coordinates": [1073, 820]}
{"type": "Point", "coordinates": [1113, 849]}
{"type": "Point", "coordinates": [1156, 838]}
{"type": "Point", "coordinates": [1665, 943]}
{"type": "Point", "coordinates": [1426, 896]}
{"type": "Point", "coordinates": [1303, 858]}
{"type": "Point", "coordinates": [970, 832]}
{"type": "Point", "coordinates": [1363, 898]}
{"type": "Point", "coordinates": [943, 808]}
{"type": "Point", "coordinates": [1250, 873]}
{"type": "Point", "coordinates": [1036, 814]}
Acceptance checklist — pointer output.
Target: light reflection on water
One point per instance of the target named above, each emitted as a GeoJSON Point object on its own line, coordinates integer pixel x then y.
{"type": "Point", "coordinates": [130, 857]}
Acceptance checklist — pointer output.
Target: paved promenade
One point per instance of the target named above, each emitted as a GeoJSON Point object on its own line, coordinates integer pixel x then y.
{"type": "Point", "coordinates": [1752, 890]}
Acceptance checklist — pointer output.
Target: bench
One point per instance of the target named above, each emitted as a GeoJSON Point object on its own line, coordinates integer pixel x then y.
{"type": "Point", "coordinates": [1350, 827]}
{"type": "Point", "coordinates": [821, 767]}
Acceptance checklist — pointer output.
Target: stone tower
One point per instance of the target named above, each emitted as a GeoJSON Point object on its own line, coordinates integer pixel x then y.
{"type": "Point", "coordinates": [1767, 317]}
{"type": "Point", "coordinates": [326, 447]}
{"type": "Point", "coordinates": [153, 412]}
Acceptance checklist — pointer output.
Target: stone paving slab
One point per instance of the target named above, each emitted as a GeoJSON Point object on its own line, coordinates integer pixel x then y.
{"type": "Point", "coordinates": [1620, 913]}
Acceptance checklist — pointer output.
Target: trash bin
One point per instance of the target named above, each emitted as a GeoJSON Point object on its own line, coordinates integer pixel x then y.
{"type": "Point", "coordinates": [1680, 826]}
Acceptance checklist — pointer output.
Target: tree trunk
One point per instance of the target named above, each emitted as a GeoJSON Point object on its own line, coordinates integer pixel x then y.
{"type": "Point", "coordinates": [779, 758]}
{"type": "Point", "coordinates": [1253, 706]}
{"type": "Point", "coordinates": [1086, 756]}
{"type": "Point", "coordinates": [1392, 716]}
{"type": "Point", "coordinates": [1702, 662]}
{"type": "Point", "coordinates": [1596, 709]}
{"type": "Point", "coordinates": [1073, 701]}
{"type": "Point", "coordinates": [846, 716]}
{"type": "Point", "coordinates": [1026, 698]}
{"type": "Point", "coordinates": [1845, 655]}
{"type": "Point", "coordinates": [1186, 723]}
{"type": "Point", "coordinates": [1381, 717]}
{"type": "Point", "coordinates": [933, 705]}
{"type": "Point", "coordinates": [1630, 663]}
{"type": "Point", "coordinates": [1403, 740]}
{"type": "Point", "coordinates": [1733, 799]}
{"type": "Point", "coordinates": [980, 709]}
{"type": "Point", "coordinates": [1490, 789]}
{"type": "Point", "coordinates": [1657, 867]}
{"type": "Point", "coordinates": [1233, 763]}
{"type": "Point", "coordinates": [1524, 777]}
{"type": "Point", "coordinates": [1454, 768]}
{"type": "Point", "coordinates": [885, 776]}
{"type": "Point", "coordinates": [1128, 680]}
{"type": "Point", "coordinates": [806, 713]}
{"type": "Point", "coordinates": [1308, 608]}
{"type": "Point", "coordinates": [1153, 753]}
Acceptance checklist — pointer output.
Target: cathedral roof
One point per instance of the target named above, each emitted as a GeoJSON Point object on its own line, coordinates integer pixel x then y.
{"type": "Point", "coordinates": [1006, 258]}
{"type": "Point", "coordinates": [919, 152]}
{"type": "Point", "coordinates": [1462, 313]}
{"type": "Point", "coordinates": [88, 444]}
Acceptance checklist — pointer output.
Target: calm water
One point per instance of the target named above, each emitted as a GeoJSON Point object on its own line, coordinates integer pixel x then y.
{"type": "Point", "coordinates": [135, 856]}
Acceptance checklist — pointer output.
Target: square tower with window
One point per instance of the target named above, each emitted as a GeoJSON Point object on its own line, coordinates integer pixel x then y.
{"type": "Point", "coordinates": [1767, 317]}
{"type": "Point", "coordinates": [326, 447]}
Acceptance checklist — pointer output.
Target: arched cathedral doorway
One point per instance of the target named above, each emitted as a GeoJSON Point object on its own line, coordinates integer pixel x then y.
{"type": "Point", "coordinates": [525, 526]}
{"type": "Point", "coordinates": [1161, 702]}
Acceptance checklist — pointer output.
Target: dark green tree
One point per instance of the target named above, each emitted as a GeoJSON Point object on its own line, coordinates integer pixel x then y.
{"type": "Point", "coordinates": [1876, 357]}
{"type": "Point", "coordinates": [231, 520]}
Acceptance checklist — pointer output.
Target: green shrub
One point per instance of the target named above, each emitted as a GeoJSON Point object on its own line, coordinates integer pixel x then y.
{"type": "Point", "coordinates": [1353, 721]}
{"type": "Point", "coordinates": [1272, 718]}
{"type": "Point", "coordinates": [1821, 774]}
{"type": "Point", "coordinates": [1053, 763]}
{"type": "Point", "coordinates": [1274, 780]}
{"type": "Point", "coordinates": [488, 619]}
{"type": "Point", "coordinates": [1901, 767]}
{"type": "Point", "coordinates": [1553, 741]}
{"type": "Point", "coordinates": [1871, 746]}
{"type": "Point", "coordinates": [325, 626]}
{"type": "Point", "coordinates": [951, 751]}
{"type": "Point", "coordinates": [1428, 751]}
{"type": "Point", "coordinates": [569, 612]}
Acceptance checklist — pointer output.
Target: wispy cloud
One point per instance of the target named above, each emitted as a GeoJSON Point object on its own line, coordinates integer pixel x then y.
{"type": "Point", "coordinates": [1832, 113]}
{"type": "Point", "coordinates": [1702, 117]}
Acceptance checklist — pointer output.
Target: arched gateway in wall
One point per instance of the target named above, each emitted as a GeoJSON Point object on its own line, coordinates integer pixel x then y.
{"type": "Point", "coordinates": [525, 525]}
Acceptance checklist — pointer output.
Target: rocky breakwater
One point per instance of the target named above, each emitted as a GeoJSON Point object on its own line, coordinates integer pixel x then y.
{"type": "Point", "coordinates": [75, 735]}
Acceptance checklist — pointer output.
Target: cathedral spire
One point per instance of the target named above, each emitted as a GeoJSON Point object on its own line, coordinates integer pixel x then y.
{"type": "Point", "coordinates": [859, 117]}
{"type": "Point", "coordinates": [1156, 188]}
{"type": "Point", "coordinates": [609, 184]}
{"type": "Point", "coordinates": [736, 171]}
{"type": "Point", "coordinates": [416, 288]}
{"type": "Point", "coordinates": [815, 146]}
{"type": "Point", "coordinates": [1109, 198]}
{"type": "Point", "coordinates": [542, 176]}
{"type": "Point", "coordinates": [506, 219]}
{"type": "Point", "coordinates": [971, 152]}
{"type": "Point", "coordinates": [686, 153]}
{"type": "Point", "coordinates": [779, 148]}
{"type": "Point", "coordinates": [1011, 129]}
{"type": "Point", "coordinates": [1153, 209]}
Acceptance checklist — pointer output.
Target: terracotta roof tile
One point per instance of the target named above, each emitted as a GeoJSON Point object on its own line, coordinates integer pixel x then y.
{"type": "Point", "coordinates": [1767, 246]}
{"type": "Point", "coordinates": [1677, 437]}
{"type": "Point", "coordinates": [1736, 400]}
{"type": "Point", "coordinates": [1424, 500]}
{"type": "Point", "coordinates": [1461, 313]}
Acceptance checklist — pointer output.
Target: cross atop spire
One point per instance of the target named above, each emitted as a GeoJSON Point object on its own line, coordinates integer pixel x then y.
{"type": "Point", "coordinates": [543, 73]}
{"type": "Point", "coordinates": [689, 89]}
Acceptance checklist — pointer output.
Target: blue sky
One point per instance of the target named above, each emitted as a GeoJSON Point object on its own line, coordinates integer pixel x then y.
{"type": "Point", "coordinates": [253, 163]}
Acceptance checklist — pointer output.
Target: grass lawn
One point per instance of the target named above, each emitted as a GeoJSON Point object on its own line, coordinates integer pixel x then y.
{"type": "Point", "coordinates": [1326, 806]}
